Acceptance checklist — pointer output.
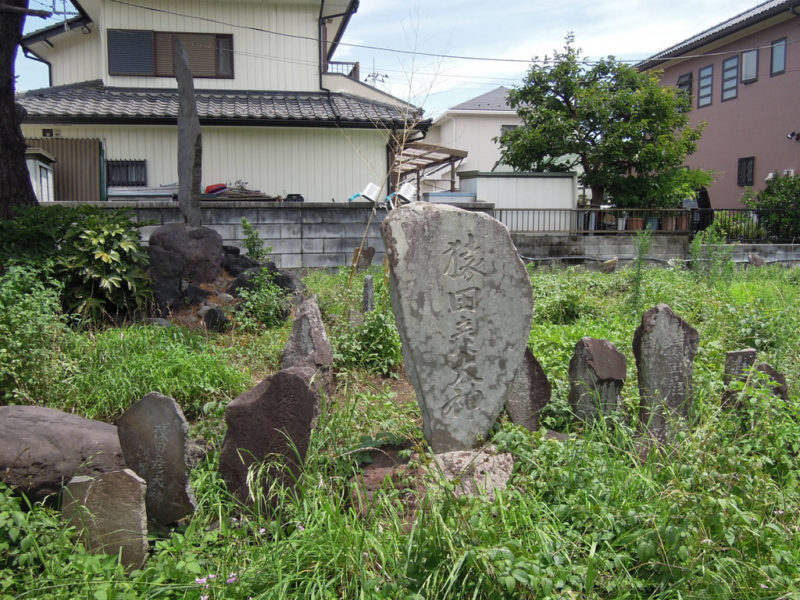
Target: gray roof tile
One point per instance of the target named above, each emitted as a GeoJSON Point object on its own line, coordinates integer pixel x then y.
{"type": "Point", "coordinates": [741, 21]}
{"type": "Point", "coordinates": [493, 100]}
{"type": "Point", "coordinates": [91, 101]}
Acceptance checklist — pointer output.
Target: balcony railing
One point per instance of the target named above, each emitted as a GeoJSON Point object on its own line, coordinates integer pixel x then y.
{"type": "Point", "coordinates": [349, 69]}
{"type": "Point", "coordinates": [732, 224]}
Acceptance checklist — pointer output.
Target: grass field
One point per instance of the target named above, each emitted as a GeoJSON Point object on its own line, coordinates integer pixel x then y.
{"type": "Point", "coordinates": [716, 516]}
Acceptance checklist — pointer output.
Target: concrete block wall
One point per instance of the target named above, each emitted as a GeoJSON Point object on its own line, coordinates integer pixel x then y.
{"type": "Point", "coordinates": [301, 234]}
{"type": "Point", "coordinates": [586, 248]}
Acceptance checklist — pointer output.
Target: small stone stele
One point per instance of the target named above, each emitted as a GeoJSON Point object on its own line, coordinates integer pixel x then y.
{"type": "Point", "coordinates": [597, 373]}
{"type": "Point", "coordinates": [368, 296]}
{"type": "Point", "coordinates": [109, 512]}
{"type": "Point", "coordinates": [153, 434]}
{"type": "Point", "coordinates": [463, 306]}
{"type": "Point", "coordinates": [308, 344]}
{"type": "Point", "coordinates": [736, 363]}
{"type": "Point", "coordinates": [664, 346]}
{"type": "Point", "coordinates": [364, 257]}
{"type": "Point", "coordinates": [271, 423]}
{"type": "Point", "coordinates": [530, 393]}
{"type": "Point", "coordinates": [778, 387]}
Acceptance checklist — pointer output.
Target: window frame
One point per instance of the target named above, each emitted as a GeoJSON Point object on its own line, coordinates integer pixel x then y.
{"type": "Point", "coordinates": [730, 75]}
{"type": "Point", "coordinates": [685, 83]}
{"type": "Point", "coordinates": [130, 167]}
{"type": "Point", "coordinates": [701, 96]}
{"type": "Point", "coordinates": [745, 171]}
{"type": "Point", "coordinates": [775, 44]}
{"type": "Point", "coordinates": [746, 53]}
{"type": "Point", "coordinates": [155, 54]}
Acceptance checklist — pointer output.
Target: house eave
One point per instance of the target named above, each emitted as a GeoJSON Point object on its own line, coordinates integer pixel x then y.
{"type": "Point", "coordinates": [780, 13]}
{"type": "Point", "coordinates": [45, 34]}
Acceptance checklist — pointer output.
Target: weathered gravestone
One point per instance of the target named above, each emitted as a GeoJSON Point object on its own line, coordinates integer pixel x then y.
{"type": "Point", "coordinates": [368, 295]}
{"type": "Point", "coordinates": [108, 510]}
{"type": "Point", "coordinates": [778, 385]}
{"type": "Point", "coordinates": [308, 344]}
{"type": "Point", "coordinates": [363, 258]}
{"type": "Point", "coordinates": [530, 393]}
{"type": "Point", "coordinates": [42, 448]}
{"type": "Point", "coordinates": [190, 139]}
{"type": "Point", "coordinates": [664, 346]}
{"type": "Point", "coordinates": [270, 423]}
{"type": "Point", "coordinates": [463, 305]}
{"type": "Point", "coordinates": [737, 362]}
{"type": "Point", "coordinates": [153, 435]}
{"type": "Point", "coordinates": [597, 373]}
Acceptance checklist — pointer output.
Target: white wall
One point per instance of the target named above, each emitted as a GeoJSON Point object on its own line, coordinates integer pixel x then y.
{"type": "Point", "coordinates": [523, 190]}
{"type": "Point", "coordinates": [261, 60]}
{"type": "Point", "coordinates": [321, 164]}
{"type": "Point", "coordinates": [474, 133]}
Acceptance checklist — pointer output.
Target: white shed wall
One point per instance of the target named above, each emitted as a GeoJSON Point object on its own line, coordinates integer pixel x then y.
{"type": "Point", "coordinates": [523, 191]}
{"type": "Point", "coordinates": [320, 164]}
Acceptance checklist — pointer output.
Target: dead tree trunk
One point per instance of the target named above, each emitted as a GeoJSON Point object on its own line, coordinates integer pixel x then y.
{"type": "Point", "coordinates": [15, 183]}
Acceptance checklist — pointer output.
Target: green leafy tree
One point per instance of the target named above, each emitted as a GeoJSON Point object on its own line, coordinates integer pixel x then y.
{"type": "Point", "coordinates": [779, 206]}
{"type": "Point", "coordinates": [629, 134]}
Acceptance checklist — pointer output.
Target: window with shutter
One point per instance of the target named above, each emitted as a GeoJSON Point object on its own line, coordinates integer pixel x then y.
{"type": "Point", "coordinates": [130, 52]}
{"type": "Point", "coordinates": [210, 55]}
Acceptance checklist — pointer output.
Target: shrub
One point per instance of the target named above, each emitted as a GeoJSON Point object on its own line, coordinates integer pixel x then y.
{"type": "Point", "coordinates": [779, 206]}
{"type": "Point", "coordinates": [374, 345]}
{"type": "Point", "coordinates": [95, 254]}
{"type": "Point", "coordinates": [253, 243]}
{"type": "Point", "coordinates": [737, 226]}
{"type": "Point", "coordinates": [30, 327]}
{"type": "Point", "coordinates": [263, 302]}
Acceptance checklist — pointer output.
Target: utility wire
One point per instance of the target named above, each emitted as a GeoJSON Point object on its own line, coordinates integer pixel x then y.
{"type": "Point", "coordinates": [418, 52]}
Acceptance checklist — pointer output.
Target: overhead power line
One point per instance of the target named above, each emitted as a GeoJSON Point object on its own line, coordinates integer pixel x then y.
{"type": "Point", "coordinates": [416, 52]}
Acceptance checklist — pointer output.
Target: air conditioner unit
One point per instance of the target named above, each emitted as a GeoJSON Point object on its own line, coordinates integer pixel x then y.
{"type": "Point", "coordinates": [788, 172]}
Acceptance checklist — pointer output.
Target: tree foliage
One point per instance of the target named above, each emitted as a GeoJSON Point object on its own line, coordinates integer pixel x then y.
{"type": "Point", "coordinates": [779, 206]}
{"type": "Point", "coordinates": [629, 134]}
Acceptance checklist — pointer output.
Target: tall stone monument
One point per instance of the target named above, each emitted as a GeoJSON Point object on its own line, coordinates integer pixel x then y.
{"type": "Point", "coordinates": [190, 140]}
{"type": "Point", "coordinates": [463, 305]}
{"type": "Point", "coordinates": [664, 346]}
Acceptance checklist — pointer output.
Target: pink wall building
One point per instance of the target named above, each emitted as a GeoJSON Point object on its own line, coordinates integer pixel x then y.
{"type": "Point", "coordinates": [744, 79]}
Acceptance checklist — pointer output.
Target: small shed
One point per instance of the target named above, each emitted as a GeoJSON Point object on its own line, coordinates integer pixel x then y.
{"type": "Point", "coordinates": [42, 172]}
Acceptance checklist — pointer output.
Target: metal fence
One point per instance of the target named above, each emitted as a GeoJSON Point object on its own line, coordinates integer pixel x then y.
{"type": "Point", "coordinates": [731, 224]}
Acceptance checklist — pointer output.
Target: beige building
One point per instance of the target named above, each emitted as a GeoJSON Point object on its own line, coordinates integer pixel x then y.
{"type": "Point", "coordinates": [471, 126]}
{"type": "Point", "coordinates": [744, 79]}
{"type": "Point", "coordinates": [276, 111]}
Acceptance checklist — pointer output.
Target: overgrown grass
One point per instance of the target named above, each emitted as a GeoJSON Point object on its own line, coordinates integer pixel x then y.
{"type": "Point", "coordinates": [715, 517]}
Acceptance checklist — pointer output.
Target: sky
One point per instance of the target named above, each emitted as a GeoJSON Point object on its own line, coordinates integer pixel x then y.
{"type": "Point", "coordinates": [510, 31]}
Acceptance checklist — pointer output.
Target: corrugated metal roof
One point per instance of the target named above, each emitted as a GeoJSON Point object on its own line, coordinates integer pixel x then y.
{"type": "Point", "coordinates": [94, 102]}
{"type": "Point", "coordinates": [741, 21]}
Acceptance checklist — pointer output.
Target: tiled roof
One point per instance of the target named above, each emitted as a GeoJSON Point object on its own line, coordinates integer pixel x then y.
{"type": "Point", "coordinates": [494, 100]}
{"type": "Point", "coordinates": [741, 21]}
{"type": "Point", "coordinates": [92, 102]}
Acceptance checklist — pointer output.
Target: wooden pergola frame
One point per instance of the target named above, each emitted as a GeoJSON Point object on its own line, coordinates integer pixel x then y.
{"type": "Point", "coordinates": [418, 157]}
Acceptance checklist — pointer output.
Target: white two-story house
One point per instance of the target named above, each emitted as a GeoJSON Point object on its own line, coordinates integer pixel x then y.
{"type": "Point", "coordinates": [275, 110]}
